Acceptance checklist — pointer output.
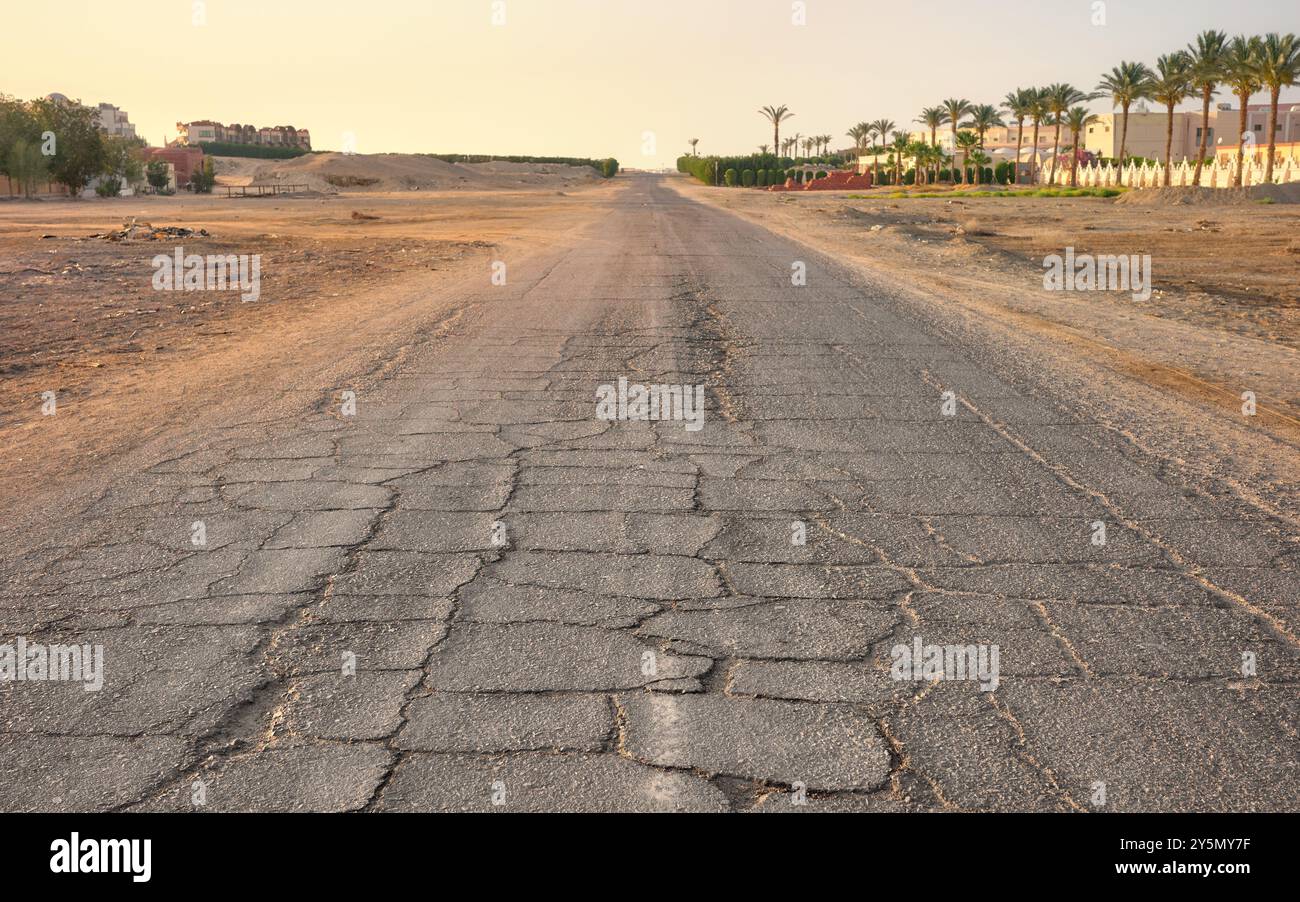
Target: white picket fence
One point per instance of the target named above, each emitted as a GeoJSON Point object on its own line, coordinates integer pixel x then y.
{"type": "Point", "coordinates": [1213, 175]}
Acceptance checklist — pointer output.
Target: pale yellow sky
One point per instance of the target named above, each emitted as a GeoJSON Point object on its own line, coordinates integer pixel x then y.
{"type": "Point", "coordinates": [579, 77]}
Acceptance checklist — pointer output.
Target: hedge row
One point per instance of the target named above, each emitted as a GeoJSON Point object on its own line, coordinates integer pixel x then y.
{"type": "Point", "coordinates": [256, 151]}
{"type": "Point", "coordinates": [757, 170]}
{"type": "Point", "coordinates": [607, 167]}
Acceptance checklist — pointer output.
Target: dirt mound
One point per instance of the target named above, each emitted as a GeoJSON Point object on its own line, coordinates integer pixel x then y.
{"type": "Point", "coordinates": [1212, 197]}
{"type": "Point", "coordinates": [335, 172]}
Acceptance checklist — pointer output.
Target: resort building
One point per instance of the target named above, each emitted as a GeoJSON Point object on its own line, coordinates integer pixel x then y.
{"type": "Point", "coordinates": [114, 121]}
{"type": "Point", "coordinates": [1146, 130]}
{"type": "Point", "coordinates": [204, 130]}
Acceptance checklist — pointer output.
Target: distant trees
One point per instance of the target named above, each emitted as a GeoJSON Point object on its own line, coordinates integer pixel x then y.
{"type": "Point", "coordinates": [1020, 104]}
{"type": "Point", "coordinates": [203, 178]}
{"type": "Point", "coordinates": [776, 115]}
{"type": "Point", "coordinates": [1208, 55]}
{"type": "Point", "coordinates": [156, 175]}
{"type": "Point", "coordinates": [79, 145]}
{"type": "Point", "coordinates": [953, 109]}
{"type": "Point", "coordinates": [1246, 65]}
{"type": "Point", "coordinates": [1076, 120]}
{"type": "Point", "coordinates": [1277, 66]}
{"type": "Point", "coordinates": [1242, 76]}
{"type": "Point", "coordinates": [1125, 84]}
{"type": "Point", "coordinates": [1171, 84]}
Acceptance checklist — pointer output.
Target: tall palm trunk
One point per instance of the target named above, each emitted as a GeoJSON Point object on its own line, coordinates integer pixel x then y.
{"type": "Point", "coordinates": [1020, 142]}
{"type": "Point", "coordinates": [1056, 150]}
{"type": "Point", "coordinates": [1033, 160]}
{"type": "Point", "coordinates": [1074, 162]}
{"type": "Point", "coordinates": [1123, 143]}
{"type": "Point", "coordinates": [958, 174]}
{"type": "Point", "coordinates": [934, 142]}
{"type": "Point", "coordinates": [1272, 133]}
{"type": "Point", "coordinates": [1207, 93]}
{"type": "Point", "coordinates": [1169, 141]}
{"type": "Point", "coordinates": [1242, 124]}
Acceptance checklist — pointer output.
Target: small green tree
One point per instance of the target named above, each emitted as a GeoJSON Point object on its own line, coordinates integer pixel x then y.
{"type": "Point", "coordinates": [26, 166]}
{"type": "Point", "coordinates": [121, 163]}
{"type": "Point", "coordinates": [156, 173]}
{"type": "Point", "coordinates": [609, 168]}
{"type": "Point", "coordinates": [79, 144]}
{"type": "Point", "coordinates": [729, 178]}
{"type": "Point", "coordinates": [204, 177]}
{"type": "Point", "coordinates": [747, 178]}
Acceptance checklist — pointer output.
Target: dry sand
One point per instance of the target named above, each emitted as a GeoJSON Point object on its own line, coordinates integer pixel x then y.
{"type": "Point", "coordinates": [1212, 197]}
{"type": "Point", "coordinates": [80, 317]}
{"type": "Point", "coordinates": [333, 172]}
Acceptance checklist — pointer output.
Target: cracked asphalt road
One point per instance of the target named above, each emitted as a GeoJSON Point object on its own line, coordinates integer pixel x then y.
{"type": "Point", "coordinates": [550, 611]}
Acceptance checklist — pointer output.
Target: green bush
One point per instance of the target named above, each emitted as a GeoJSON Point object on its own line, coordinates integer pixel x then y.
{"type": "Point", "coordinates": [109, 186]}
{"type": "Point", "coordinates": [747, 178]}
{"type": "Point", "coordinates": [203, 178]}
{"type": "Point", "coordinates": [706, 169]}
{"type": "Point", "coordinates": [760, 178]}
{"type": "Point", "coordinates": [609, 168]}
{"type": "Point", "coordinates": [729, 177]}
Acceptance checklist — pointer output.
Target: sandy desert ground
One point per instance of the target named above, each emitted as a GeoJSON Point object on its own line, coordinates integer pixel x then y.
{"type": "Point", "coordinates": [80, 317]}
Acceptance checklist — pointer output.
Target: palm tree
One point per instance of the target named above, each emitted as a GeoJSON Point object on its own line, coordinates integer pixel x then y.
{"type": "Point", "coordinates": [979, 159]}
{"type": "Point", "coordinates": [932, 117]}
{"type": "Point", "coordinates": [900, 147]}
{"type": "Point", "coordinates": [1060, 97]}
{"type": "Point", "coordinates": [968, 144]}
{"type": "Point", "coordinates": [1277, 66]}
{"type": "Point", "coordinates": [1020, 104]}
{"type": "Point", "coordinates": [855, 132]}
{"type": "Point", "coordinates": [1242, 76]}
{"type": "Point", "coordinates": [1173, 83]}
{"type": "Point", "coordinates": [982, 118]}
{"type": "Point", "coordinates": [1208, 69]}
{"type": "Point", "coordinates": [880, 129]}
{"type": "Point", "coordinates": [938, 159]}
{"type": "Point", "coordinates": [953, 110]}
{"type": "Point", "coordinates": [1126, 84]}
{"type": "Point", "coordinates": [1076, 120]}
{"type": "Point", "coordinates": [776, 115]}
{"type": "Point", "coordinates": [1039, 112]}
{"type": "Point", "coordinates": [693, 142]}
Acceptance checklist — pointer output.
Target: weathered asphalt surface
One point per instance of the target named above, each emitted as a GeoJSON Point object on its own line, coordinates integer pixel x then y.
{"type": "Point", "coordinates": [520, 673]}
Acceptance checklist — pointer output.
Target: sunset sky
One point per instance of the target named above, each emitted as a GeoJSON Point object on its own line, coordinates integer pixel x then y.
{"type": "Point", "coordinates": [580, 77]}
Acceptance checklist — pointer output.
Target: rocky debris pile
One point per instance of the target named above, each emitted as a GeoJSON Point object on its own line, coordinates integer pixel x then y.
{"type": "Point", "coordinates": [144, 231]}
